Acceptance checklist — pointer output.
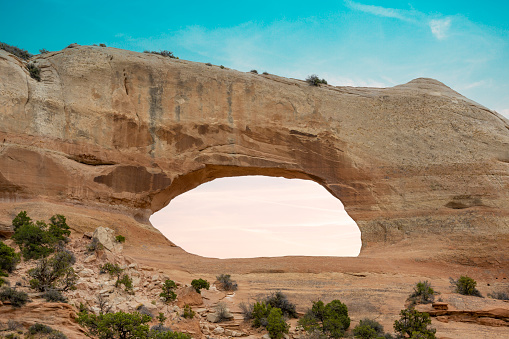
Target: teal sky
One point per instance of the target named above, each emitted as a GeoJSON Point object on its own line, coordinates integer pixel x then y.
{"type": "Point", "coordinates": [367, 43]}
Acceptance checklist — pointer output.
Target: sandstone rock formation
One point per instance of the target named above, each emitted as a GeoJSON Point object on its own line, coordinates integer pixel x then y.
{"type": "Point", "coordinates": [106, 237]}
{"type": "Point", "coordinates": [109, 136]}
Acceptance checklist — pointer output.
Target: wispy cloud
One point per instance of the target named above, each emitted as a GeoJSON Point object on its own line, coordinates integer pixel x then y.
{"type": "Point", "coordinates": [440, 27]}
{"type": "Point", "coordinates": [378, 10]}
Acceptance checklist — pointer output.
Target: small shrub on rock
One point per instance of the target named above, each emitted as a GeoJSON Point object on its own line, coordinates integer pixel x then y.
{"type": "Point", "coordinates": [226, 282]}
{"type": "Point", "coordinates": [120, 239]}
{"type": "Point", "coordinates": [331, 319]}
{"type": "Point", "coordinates": [39, 328]}
{"type": "Point", "coordinates": [423, 293]}
{"type": "Point", "coordinates": [54, 296]}
{"type": "Point", "coordinates": [34, 70]}
{"type": "Point", "coordinates": [95, 246]}
{"type": "Point", "coordinates": [465, 285]}
{"type": "Point", "coordinates": [414, 324]}
{"type": "Point", "coordinates": [198, 284]}
{"type": "Point", "coordinates": [20, 53]}
{"type": "Point", "coordinates": [43, 51]}
{"type": "Point", "coordinates": [113, 269]}
{"type": "Point", "coordinates": [168, 294]}
{"type": "Point", "coordinates": [222, 312]}
{"type": "Point", "coordinates": [276, 324]}
{"type": "Point", "coordinates": [54, 273]}
{"type": "Point", "coordinates": [163, 53]}
{"type": "Point", "coordinates": [188, 312]}
{"type": "Point", "coordinates": [142, 309]}
{"type": "Point", "coordinates": [314, 80]}
{"type": "Point", "coordinates": [260, 314]}
{"type": "Point", "coordinates": [126, 281]}
{"type": "Point", "coordinates": [280, 300]}
{"type": "Point", "coordinates": [16, 298]}
{"type": "Point", "coordinates": [499, 295]}
{"type": "Point", "coordinates": [254, 71]}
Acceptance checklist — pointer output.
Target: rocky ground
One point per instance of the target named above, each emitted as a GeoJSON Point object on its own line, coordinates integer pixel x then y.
{"type": "Point", "coordinates": [369, 293]}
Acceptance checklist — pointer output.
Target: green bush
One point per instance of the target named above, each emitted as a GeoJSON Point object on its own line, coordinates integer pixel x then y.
{"type": "Point", "coordinates": [414, 324]}
{"type": "Point", "coordinates": [8, 258]}
{"type": "Point", "coordinates": [188, 312]}
{"type": "Point", "coordinates": [368, 329]}
{"type": "Point", "coordinates": [54, 273]}
{"type": "Point", "coordinates": [254, 71]}
{"type": "Point", "coordinates": [16, 298]}
{"type": "Point", "coordinates": [20, 53]}
{"type": "Point", "coordinates": [168, 294]}
{"type": "Point", "coordinates": [39, 328]}
{"type": "Point", "coordinates": [423, 293]}
{"type": "Point", "coordinates": [198, 284]}
{"type": "Point", "coordinates": [102, 45]}
{"type": "Point", "coordinates": [39, 240]}
{"type": "Point", "coordinates": [314, 80]}
{"type": "Point", "coordinates": [276, 324]}
{"type": "Point", "coordinates": [331, 319]}
{"type": "Point", "coordinates": [95, 246]}
{"type": "Point", "coordinates": [115, 325]}
{"type": "Point", "coordinates": [113, 269]}
{"type": "Point", "coordinates": [226, 282]}
{"type": "Point", "coordinates": [34, 70]}
{"type": "Point", "coordinates": [120, 238]}
{"type": "Point", "coordinates": [43, 51]}
{"type": "Point", "coordinates": [499, 295]}
{"type": "Point", "coordinates": [260, 314]}
{"type": "Point", "coordinates": [54, 296]}
{"type": "Point", "coordinates": [280, 300]}
{"type": "Point", "coordinates": [127, 282]}
{"type": "Point", "coordinates": [465, 285]}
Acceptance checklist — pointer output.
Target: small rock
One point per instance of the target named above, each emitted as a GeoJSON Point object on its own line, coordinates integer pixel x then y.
{"type": "Point", "coordinates": [266, 336]}
{"type": "Point", "coordinates": [219, 330]}
{"type": "Point", "coordinates": [87, 272]}
{"type": "Point", "coordinates": [89, 259]}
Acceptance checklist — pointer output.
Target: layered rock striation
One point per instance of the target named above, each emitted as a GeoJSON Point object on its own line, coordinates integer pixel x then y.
{"type": "Point", "coordinates": [109, 137]}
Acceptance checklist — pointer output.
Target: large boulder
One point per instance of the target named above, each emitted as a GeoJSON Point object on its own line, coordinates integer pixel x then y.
{"type": "Point", "coordinates": [106, 237]}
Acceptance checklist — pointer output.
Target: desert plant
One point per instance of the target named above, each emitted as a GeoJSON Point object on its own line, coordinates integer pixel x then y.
{"type": "Point", "coordinates": [102, 45]}
{"type": "Point", "coordinates": [280, 300]}
{"type": "Point", "coordinates": [368, 328]}
{"type": "Point", "coordinates": [58, 228]}
{"type": "Point", "coordinates": [222, 67]}
{"type": "Point", "coordinates": [423, 293]}
{"type": "Point", "coordinates": [16, 298]}
{"type": "Point", "coordinates": [34, 70]}
{"type": "Point", "coordinates": [331, 319]}
{"type": "Point", "coordinates": [20, 53]}
{"type": "Point", "coordinates": [54, 273]}
{"type": "Point", "coordinates": [142, 309]}
{"type": "Point", "coordinates": [3, 282]}
{"type": "Point", "coordinates": [499, 295]}
{"type": "Point", "coordinates": [168, 294]}
{"type": "Point", "coordinates": [208, 64]}
{"type": "Point", "coordinates": [52, 295]}
{"type": "Point", "coordinates": [127, 282]}
{"type": "Point", "coordinates": [314, 80]}
{"type": "Point", "coordinates": [260, 314]}
{"type": "Point", "coordinates": [120, 238]}
{"type": "Point", "coordinates": [13, 325]}
{"type": "Point", "coordinates": [115, 325]}
{"type": "Point", "coordinates": [265, 73]}
{"type": "Point", "coordinates": [21, 219]}
{"type": "Point", "coordinates": [465, 285]}
{"type": "Point", "coordinates": [8, 258]}
{"type": "Point", "coordinates": [39, 328]}
{"type": "Point", "coordinates": [226, 282]}
{"type": "Point", "coordinates": [222, 312]}
{"type": "Point", "coordinates": [43, 51]}
{"type": "Point", "coordinates": [198, 284]}
{"type": "Point", "coordinates": [414, 324]}
{"type": "Point", "coordinates": [113, 269]}
{"type": "Point", "coordinates": [161, 318]}
{"type": "Point", "coordinates": [276, 324]}
{"type": "Point", "coordinates": [247, 310]}
{"type": "Point", "coordinates": [95, 246]}
{"type": "Point", "coordinates": [188, 312]}
{"type": "Point", "coordinates": [163, 53]}
{"type": "Point", "coordinates": [102, 303]}
{"type": "Point", "coordinates": [254, 71]}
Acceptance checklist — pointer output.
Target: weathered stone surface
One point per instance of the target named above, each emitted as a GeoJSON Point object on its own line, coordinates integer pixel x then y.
{"type": "Point", "coordinates": [106, 237]}
{"type": "Point", "coordinates": [111, 136]}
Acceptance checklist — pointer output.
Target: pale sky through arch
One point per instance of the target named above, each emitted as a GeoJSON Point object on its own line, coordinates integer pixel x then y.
{"type": "Point", "coordinates": [255, 216]}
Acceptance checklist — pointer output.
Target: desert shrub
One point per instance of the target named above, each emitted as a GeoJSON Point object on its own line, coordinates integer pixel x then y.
{"type": "Point", "coordinates": [54, 273]}
{"type": "Point", "coordinates": [168, 294]}
{"type": "Point", "coordinates": [254, 71]}
{"type": "Point", "coordinates": [102, 303]}
{"type": "Point", "coordinates": [368, 328]}
{"type": "Point", "coordinates": [276, 324]}
{"type": "Point", "coordinates": [39, 240]}
{"type": "Point", "coordinates": [265, 73]}
{"type": "Point", "coordinates": [188, 312]}
{"type": "Point", "coordinates": [57, 335]}
{"type": "Point", "coordinates": [314, 80]}
{"type": "Point", "coordinates": [161, 318]}
{"type": "Point", "coordinates": [34, 70]}
{"type": "Point", "coordinates": [115, 325]}
{"type": "Point", "coordinates": [198, 284]}
{"type": "Point", "coordinates": [222, 312]}
{"type": "Point", "coordinates": [423, 293]}
{"type": "Point", "coordinates": [260, 314]}
{"type": "Point", "coordinates": [160, 328]}
{"type": "Point", "coordinates": [8, 258]}
{"type": "Point", "coordinates": [20, 53]}
{"type": "Point", "coordinates": [39, 328]}
{"type": "Point", "coordinates": [13, 325]}
{"type": "Point", "coordinates": [142, 309]}
{"type": "Point", "coordinates": [222, 67]}
{"type": "Point", "coordinates": [113, 269]}
{"type": "Point", "coordinates": [280, 300]}
{"type": "Point", "coordinates": [102, 45]}
{"type": "Point", "coordinates": [247, 310]}
{"type": "Point", "coordinates": [120, 238]}
{"type": "Point", "coordinates": [499, 295]}
{"type": "Point", "coordinates": [163, 53]}
{"type": "Point", "coordinates": [95, 246]}
{"type": "Point", "coordinates": [168, 335]}
{"type": "Point", "coordinates": [414, 324]}
{"type": "Point", "coordinates": [465, 285]}
{"type": "Point", "coordinates": [3, 282]}
{"type": "Point", "coordinates": [126, 281]}
{"type": "Point", "coordinates": [208, 64]}
{"type": "Point", "coordinates": [226, 282]}
{"type": "Point", "coordinates": [331, 319]}
{"type": "Point", "coordinates": [16, 298]}
{"type": "Point", "coordinates": [43, 51]}
{"type": "Point", "coordinates": [56, 296]}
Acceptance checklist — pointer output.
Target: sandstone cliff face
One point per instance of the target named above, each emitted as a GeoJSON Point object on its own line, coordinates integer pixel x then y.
{"type": "Point", "coordinates": [110, 136]}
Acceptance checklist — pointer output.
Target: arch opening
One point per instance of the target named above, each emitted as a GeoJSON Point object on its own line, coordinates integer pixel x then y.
{"type": "Point", "coordinates": [259, 216]}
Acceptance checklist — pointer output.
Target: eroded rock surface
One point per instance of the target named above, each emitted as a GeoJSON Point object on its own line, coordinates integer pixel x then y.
{"type": "Point", "coordinates": [110, 136]}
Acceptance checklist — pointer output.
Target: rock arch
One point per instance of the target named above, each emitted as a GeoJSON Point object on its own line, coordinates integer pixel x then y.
{"type": "Point", "coordinates": [111, 135]}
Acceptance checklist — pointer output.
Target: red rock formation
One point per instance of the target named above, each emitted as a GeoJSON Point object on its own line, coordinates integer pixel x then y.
{"type": "Point", "coordinates": [108, 137]}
